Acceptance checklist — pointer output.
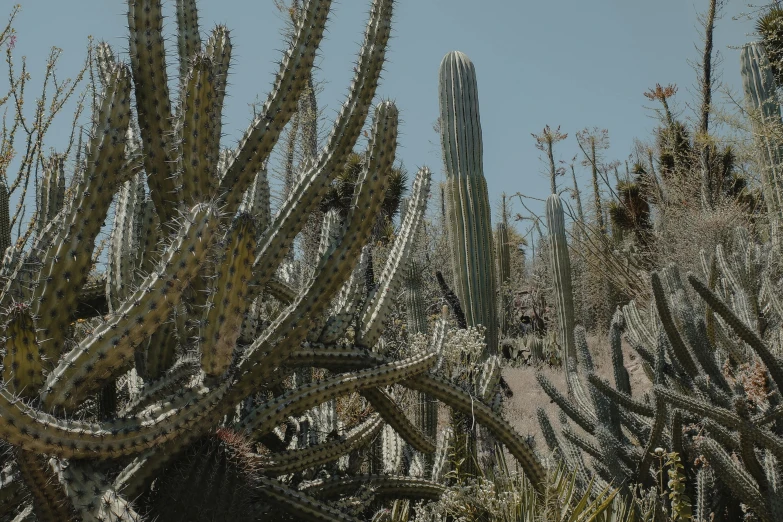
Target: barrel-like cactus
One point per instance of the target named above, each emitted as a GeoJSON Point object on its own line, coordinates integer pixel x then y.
{"type": "Point", "coordinates": [193, 246]}
{"type": "Point", "coordinates": [467, 201]}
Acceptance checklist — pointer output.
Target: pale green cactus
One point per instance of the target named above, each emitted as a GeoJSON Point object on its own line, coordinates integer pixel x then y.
{"type": "Point", "coordinates": [467, 201]}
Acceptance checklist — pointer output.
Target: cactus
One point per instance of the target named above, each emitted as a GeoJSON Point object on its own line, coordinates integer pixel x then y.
{"type": "Point", "coordinates": [467, 201]}
{"type": "Point", "coordinates": [759, 86]}
{"type": "Point", "coordinates": [163, 378]}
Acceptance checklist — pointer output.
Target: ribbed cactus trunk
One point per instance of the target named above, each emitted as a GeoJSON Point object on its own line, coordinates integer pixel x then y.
{"type": "Point", "coordinates": [758, 84]}
{"type": "Point", "coordinates": [504, 269]}
{"type": "Point", "coordinates": [561, 276]}
{"type": "Point", "coordinates": [467, 201]}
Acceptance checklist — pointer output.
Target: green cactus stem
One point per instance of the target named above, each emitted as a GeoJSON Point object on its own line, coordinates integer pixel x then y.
{"type": "Point", "coordinates": [468, 209]}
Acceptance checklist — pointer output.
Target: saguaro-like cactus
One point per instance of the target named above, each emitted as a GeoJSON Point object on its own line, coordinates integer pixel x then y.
{"type": "Point", "coordinates": [467, 201]}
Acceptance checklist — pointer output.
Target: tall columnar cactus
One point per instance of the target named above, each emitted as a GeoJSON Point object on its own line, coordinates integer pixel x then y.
{"type": "Point", "coordinates": [194, 389]}
{"type": "Point", "coordinates": [467, 201]}
{"type": "Point", "coordinates": [560, 264]}
{"type": "Point", "coordinates": [760, 88]}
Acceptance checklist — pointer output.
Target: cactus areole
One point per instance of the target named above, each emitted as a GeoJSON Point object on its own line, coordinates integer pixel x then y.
{"type": "Point", "coordinates": [467, 202]}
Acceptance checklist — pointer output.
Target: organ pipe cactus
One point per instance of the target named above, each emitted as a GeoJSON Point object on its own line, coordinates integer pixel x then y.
{"type": "Point", "coordinates": [193, 248]}
{"type": "Point", "coordinates": [467, 201]}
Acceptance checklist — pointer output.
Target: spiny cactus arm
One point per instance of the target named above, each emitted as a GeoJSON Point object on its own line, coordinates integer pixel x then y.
{"type": "Point", "coordinates": [584, 444]}
{"type": "Point", "coordinates": [188, 36]}
{"type": "Point", "coordinates": [636, 329]}
{"type": "Point", "coordinates": [769, 416]}
{"type": "Point", "coordinates": [317, 455]}
{"type": "Point", "coordinates": [724, 417]}
{"type": "Point", "coordinates": [50, 504]}
{"type": "Point", "coordinates": [104, 56]}
{"type": "Point", "coordinates": [227, 303]}
{"type": "Point", "coordinates": [257, 201]}
{"type": "Point", "coordinates": [122, 244]}
{"type": "Point", "coordinates": [297, 503]}
{"type": "Point", "coordinates": [332, 270]}
{"type": "Point", "coordinates": [22, 363]}
{"type": "Point", "coordinates": [621, 379]}
{"type": "Point", "coordinates": [726, 437]}
{"type": "Point", "coordinates": [68, 259]}
{"type": "Point", "coordinates": [621, 398]}
{"type": "Point", "coordinates": [153, 104]}
{"type": "Point", "coordinates": [583, 419]}
{"type": "Point", "coordinates": [396, 418]}
{"type": "Point", "coordinates": [456, 398]}
{"type": "Point", "coordinates": [107, 351]}
{"type": "Point", "coordinates": [219, 52]}
{"type": "Point", "coordinates": [157, 354]}
{"type": "Point", "coordinates": [265, 417]}
{"type": "Point", "coordinates": [254, 148]}
{"type": "Point", "coordinates": [391, 278]}
{"type": "Point", "coordinates": [385, 486]}
{"type": "Point", "coordinates": [656, 434]}
{"type": "Point", "coordinates": [92, 496]}
{"type": "Point", "coordinates": [489, 378]}
{"type": "Point", "coordinates": [50, 195]}
{"type": "Point", "coordinates": [337, 358]}
{"type": "Point", "coordinates": [150, 235]}
{"type": "Point", "coordinates": [347, 303]}
{"type": "Point", "coordinates": [22, 425]}
{"type": "Point", "coordinates": [735, 477]}
{"type": "Point", "coordinates": [678, 345]}
{"type": "Point", "coordinates": [12, 496]}
{"type": "Point", "coordinates": [5, 217]}
{"type": "Point", "coordinates": [199, 150]}
{"type": "Point", "coordinates": [773, 363]}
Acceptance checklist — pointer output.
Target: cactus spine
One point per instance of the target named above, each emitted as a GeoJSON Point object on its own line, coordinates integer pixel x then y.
{"type": "Point", "coordinates": [467, 200]}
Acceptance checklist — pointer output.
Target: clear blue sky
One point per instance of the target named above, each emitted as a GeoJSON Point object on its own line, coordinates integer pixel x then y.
{"type": "Point", "coordinates": [559, 62]}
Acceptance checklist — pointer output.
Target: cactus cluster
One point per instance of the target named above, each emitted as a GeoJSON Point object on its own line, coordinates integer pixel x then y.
{"type": "Point", "coordinates": [160, 389]}
{"type": "Point", "coordinates": [716, 397]}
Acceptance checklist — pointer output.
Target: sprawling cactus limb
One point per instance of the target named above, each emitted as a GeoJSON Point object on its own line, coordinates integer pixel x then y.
{"type": "Point", "coordinates": [397, 420]}
{"type": "Point", "coordinates": [502, 244]}
{"type": "Point", "coordinates": [264, 418]}
{"type": "Point", "coordinates": [105, 60]}
{"type": "Point", "coordinates": [338, 359]}
{"type": "Point", "coordinates": [469, 212]}
{"type": "Point", "coordinates": [299, 504]}
{"type": "Point", "coordinates": [621, 379]}
{"type": "Point", "coordinates": [92, 496]}
{"type": "Point", "coordinates": [758, 84]}
{"type": "Point", "coordinates": [585, 419]}
{"type": "Point", "coordinates": [317, 455]}
{"type": "Point", "coordinates": [109, 349]}
{"type": "Point", "coordinates": [199, 150]}
{"type": "Point", "coordinates": [68, 260]}
{"type": "Point", "coordinates": [380, 303]}
{"type": "Point", "coordinates": [188, 36]}
{"type": "Point", "coordinates": [345, 310]}
{"type": "Point", "coordinates": [385, 485]}
{"type": "Point", "coordinates": [414, 305]}
{"type": "Point", "coordinates": [220, 326]}
{"type": "Point", "coordinates": [678, 345]}
{"type": "Point", "coordinates": [621, 398]}
{"type": "Point", "coordinates": [218, 50]}
{"type": "Point", "coordinates": [458, 399]}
